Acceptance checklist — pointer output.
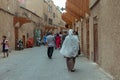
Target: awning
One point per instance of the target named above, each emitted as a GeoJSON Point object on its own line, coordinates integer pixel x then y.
{"type": "Point", "coordinates": [73, 8]}
{"type": "Point", "coordinates": [67, 18]}
{"type": "Point", "coordinates": [76, 9]}
{"type": "Point", "coordinates": [21, 20]}
{"type": "Point", "coordinates": [82, 4]}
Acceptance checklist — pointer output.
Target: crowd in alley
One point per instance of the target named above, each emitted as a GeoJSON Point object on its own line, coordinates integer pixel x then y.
{"type": "Point", "coordinates": [67, 42]}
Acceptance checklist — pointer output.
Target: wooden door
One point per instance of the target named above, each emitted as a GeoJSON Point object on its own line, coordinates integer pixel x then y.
{"type": "Point", "coordinates": [87, 38]}
{"type": "Point", "coordinates": [24, 41]}
{"type": "Point", "coordinates": [96, 43]}
{"type": "Point", "coordinates": [81, 37]}
{"type": "Point", "coordinates": [16, 36]}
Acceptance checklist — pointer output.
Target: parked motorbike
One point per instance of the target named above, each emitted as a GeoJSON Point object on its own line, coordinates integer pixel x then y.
{"type": "Point", "coordinates": [20, 45]}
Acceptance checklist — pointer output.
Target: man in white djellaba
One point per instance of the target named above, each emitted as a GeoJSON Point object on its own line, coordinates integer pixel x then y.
{"type": "Point", "coordinates": [70, 49]}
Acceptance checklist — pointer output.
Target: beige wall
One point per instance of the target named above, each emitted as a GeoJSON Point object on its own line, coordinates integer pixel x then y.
{"type": "Point", "coordinates": [6, 21]}
{"type": "Point", "coordinates": [110, 36]}
{"type": "Point", "coordinates": [57, 21]}
{"type": "Point", "coordinates": [84, 38]}
{"type": "Point", "coordinates": [35, 6]}
{"type": "Point", "coordinates": [92, 2]}
{"type": "Point", "coordinates": [7, 28]}
{"type": "Point", "coordinates": [30, 15]}
{"type": "Point", "coordinates": [95, 12]}
{"type": "Point", "coordinates": [30, 26]}
{"type": "Point", "coordinates": [107, 12]}
{"type": "Point", "coordinates": [9, 5]}
{"type": "Point", "coordinates": [40, 8]}
{"type": "Point", "coordinates": [27, 28]}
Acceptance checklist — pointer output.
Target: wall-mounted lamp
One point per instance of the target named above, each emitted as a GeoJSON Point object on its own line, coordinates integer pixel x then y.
{"type": "Point", "coordinates": [62, 9]}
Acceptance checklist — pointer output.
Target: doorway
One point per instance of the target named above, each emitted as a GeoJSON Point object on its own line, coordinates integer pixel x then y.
{"type": "Point", "coordinates": [23, 37]}
{"type": "Point", "coordinates": [95, 29]}
{"type": "Point", "coordinates": [82, 37]}
{"type": "Point", "coordinates": [16, 37]}
{"type": "Point", "coordinates": [87, 38]}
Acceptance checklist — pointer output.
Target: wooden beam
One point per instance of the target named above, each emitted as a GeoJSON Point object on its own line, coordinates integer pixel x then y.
{"type": "Point", "coordinates": [73, 14]}
{"type": "Point", "coordinates": [66, 20]}
{"type": "Point", "coordinates": [82, 6]}
{"type": "Point", "coordinates": [74, 8]}
{"type": "Point", "coordinates": [77, 3]}
{"type": "Point", "coordinates": [21, 20]}
{"type": "Point", "coordinates": [69, 16]}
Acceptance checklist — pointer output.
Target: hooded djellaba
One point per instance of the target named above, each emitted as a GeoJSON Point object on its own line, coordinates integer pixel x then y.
{"type": "Point", "coordinates": [70, 49]}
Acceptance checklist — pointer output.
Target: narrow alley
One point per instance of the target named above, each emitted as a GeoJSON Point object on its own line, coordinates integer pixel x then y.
{"type": "Point", "coordinates": [33, 64]}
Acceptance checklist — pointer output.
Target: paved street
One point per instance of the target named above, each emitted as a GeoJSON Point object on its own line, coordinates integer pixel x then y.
{"type": "Point", "coordinates": [33, 64]}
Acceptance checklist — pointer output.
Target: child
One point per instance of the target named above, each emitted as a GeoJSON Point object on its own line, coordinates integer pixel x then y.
{"type": "Point", "coordinates": [5, 46]}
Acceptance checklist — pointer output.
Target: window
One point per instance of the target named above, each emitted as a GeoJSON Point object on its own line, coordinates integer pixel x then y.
{"type": "Point", "coordinates": [50, 8]}
{"type": "Point", "coordinates": [50, 21]}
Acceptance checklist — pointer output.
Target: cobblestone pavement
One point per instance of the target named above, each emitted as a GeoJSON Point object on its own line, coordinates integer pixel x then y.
{"type": "Point", "coordinates": [33, 64]}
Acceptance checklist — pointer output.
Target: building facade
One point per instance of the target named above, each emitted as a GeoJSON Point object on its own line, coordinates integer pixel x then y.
{"type": "Point", "coordinates": [50, 13]}
{"type": "Point", "coordinates": [7, 11]}
{"type": "Point", "coordinates": [17, 22]}
{"type": "Point", "coordinates": [104, 21]}
{"type": "Point", "coordinates": [98, 32]}
{"type": "Point", "coordinates": [53, 14]}
{"type": "Point", "coordinates": [35, 6]}
{"type": "Point", "coordinates": [17, 16]}
{"type": "Point", "coordinates": [99, 35]}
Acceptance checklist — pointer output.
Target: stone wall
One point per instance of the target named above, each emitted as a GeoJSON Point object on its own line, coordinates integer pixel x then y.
{"type": "Point", "coordinates": [9, 5]}
{"type": "Point", "coordinates": [27, 30]}
{"type": "Point", "coordinates": [110, 36]}
{"type": "Point", "coordinates": [7, 28]}
{"type": "Point", "coordinates": [84, 37]}
{"type": "Point", "coordinates": [35, 6]}
{"type": "Point", "coordinates": [8, 11]}
{"type": "Point", "coordinates": [95, 12]}
{"type": "Point", "coordinates": [107, 12]}
{"type": "Point", "coordinates": [23, 12]}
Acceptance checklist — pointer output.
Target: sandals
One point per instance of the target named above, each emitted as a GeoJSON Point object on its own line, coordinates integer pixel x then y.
{"type": "Point", "coordinates": [73, 70]}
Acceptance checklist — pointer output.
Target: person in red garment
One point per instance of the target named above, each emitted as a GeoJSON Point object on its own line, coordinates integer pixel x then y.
{"type": "Point", "coordinates": [57, 41]}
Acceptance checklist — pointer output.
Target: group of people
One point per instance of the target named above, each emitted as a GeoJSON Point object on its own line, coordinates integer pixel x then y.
{"type": "Point", "coordinates": [52, 41]}
{"type": "Point", "coordinates": [68, 44]}
{"type": "Point", "coordinates": [58, 38]}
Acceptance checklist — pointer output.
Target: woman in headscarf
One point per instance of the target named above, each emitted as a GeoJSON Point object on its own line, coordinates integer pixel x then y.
{"type": "Point", "coordinates": [57, 41]}
{"type": "Point", "coordinates": [70, 49]}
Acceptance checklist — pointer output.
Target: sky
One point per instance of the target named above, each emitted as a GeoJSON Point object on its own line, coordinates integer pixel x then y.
{"type": "Point", "coordinates": [60, 3]}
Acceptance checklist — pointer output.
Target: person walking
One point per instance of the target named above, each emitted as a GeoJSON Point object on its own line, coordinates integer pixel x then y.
{"type": "Point", "coordinates": [79, 51]}
{"type": "Point", "coordinates": [44, 39]}
{"type": "Point", "coordinates": [64, 36]}
{"type": "Point", "coordinates": [70, 49]}
{"type": "Point", "coordinates": [50, 40]}
{"type": "Point", "coordinates": [5, 46]}
{"type": "Point", "coordinates": [57, 41]}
